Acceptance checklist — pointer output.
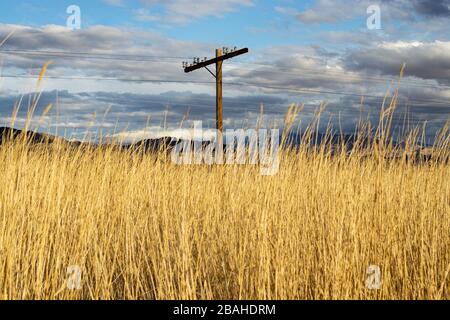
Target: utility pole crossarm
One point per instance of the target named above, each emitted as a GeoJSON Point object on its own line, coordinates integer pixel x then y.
{"type": "Point", "coordinates": [218, 61]}
{"type": "Point", "coordinates": [215, 60]}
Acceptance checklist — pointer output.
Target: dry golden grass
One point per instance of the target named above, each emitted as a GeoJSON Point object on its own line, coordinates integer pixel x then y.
{"type": "Point", "coordinates": [141, 227]}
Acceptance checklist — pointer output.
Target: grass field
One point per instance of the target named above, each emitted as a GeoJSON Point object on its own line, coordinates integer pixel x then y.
{"type": "Point", "coordinates": [141, 227]}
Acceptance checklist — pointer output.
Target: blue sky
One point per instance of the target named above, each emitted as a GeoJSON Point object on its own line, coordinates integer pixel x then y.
{"type": "Point", "coordinates": [300, 52]}
{"type": "Point", "coordinates": [256, 25]}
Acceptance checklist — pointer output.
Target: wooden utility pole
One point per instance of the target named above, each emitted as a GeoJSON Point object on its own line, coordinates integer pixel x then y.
{"type": "Point", "coordinates": [218, 61]}
{"type": "Point", "coordinates": [219, 97]}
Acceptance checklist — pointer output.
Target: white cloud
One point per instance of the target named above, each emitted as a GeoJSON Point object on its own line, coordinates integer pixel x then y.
{"type": "Point", "coordinates": [102, 40]}
{"type": "Point", "coordinates": [184, 11]}
{"type": "Point", "coordinates": [116, 3]}
{"type": "Point", "coordinates": [335, 11]}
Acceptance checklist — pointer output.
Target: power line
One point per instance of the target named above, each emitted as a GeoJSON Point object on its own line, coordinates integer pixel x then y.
{"type": "Point", "coordinates": [109, 79]}
{"type": "Point", "coordinates": [342, 74]}
{"type": "Point", "coordinates": [194, 102]}
{"type": "Point", "coordinates": [157, 58]}
{"type": "Point", "coordinates": [269, 87]}
{"type": "Point", "coordinates": [411, 118]}
{"type": "Point", "coordinates": [332, 71]}
{"type": "Point", "coordinates": [92, 55]}
{"type": "Point", "coordinates": [328, 92]}
{"type": "Point", "coordinates": [351, 78]}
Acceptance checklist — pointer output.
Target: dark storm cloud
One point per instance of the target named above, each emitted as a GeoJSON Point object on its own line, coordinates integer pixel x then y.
{"type": "Point", "coordinates": [429, 8]}
{"type": "Point", "coordinates": [148, 115]}
{"type": "Point", "coordinates": [423, 60]}
{"type": "Point", "coordinates": [133, 111]}
{"type": "Point", "coordinates": [433, 8]}
{"type": "Point", "coordinates": [324, 11]}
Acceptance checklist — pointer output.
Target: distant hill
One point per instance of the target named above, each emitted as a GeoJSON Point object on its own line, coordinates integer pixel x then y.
{"type": "Point", "coordinates": [7, 133]}
{"type": "Point", "coordinates": [168, 143]}
{"type": "Point", "coordinates": [149, 145]}
{"type": "Point", "coordinates": [154, 145]}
